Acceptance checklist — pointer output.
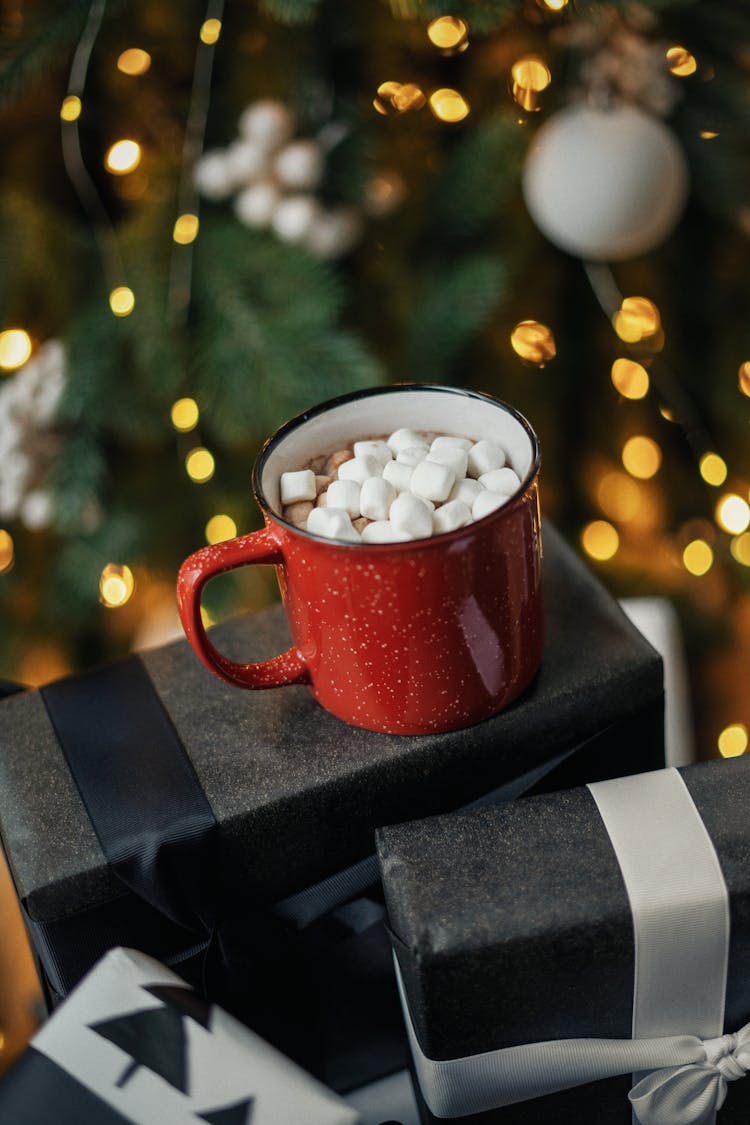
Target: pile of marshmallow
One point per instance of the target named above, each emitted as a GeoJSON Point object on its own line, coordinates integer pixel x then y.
{"type": "Point", "coordinates": [406, 486]}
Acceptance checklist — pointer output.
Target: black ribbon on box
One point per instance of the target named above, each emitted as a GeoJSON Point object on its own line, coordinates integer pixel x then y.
{"type": "Point", "coordinates": [150, 814]}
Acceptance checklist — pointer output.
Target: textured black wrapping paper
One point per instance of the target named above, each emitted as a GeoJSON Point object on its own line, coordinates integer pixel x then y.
{"type": "Point", "coordinates": [297, 795]}
{"type": "Point", "coordinates": [511, 925]}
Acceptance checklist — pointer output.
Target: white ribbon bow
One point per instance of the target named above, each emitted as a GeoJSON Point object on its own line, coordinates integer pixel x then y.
{"type": "Point", "coordinates": [693, 1093]}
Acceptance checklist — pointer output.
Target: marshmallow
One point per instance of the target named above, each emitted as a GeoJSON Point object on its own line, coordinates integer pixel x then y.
{"type": "Point", "coordinates": [360, 468]}
{"type": "Point", "coordinates": [297, 486]}
{"type": "Point", "coordinates": [344, 494]}
{"type": "Point", "coordinates": [332, 523]}
{"type": "Point", "coordinates": [504, 481]}
{"type": "Point", "coordinates": [455, 458]}
{"type": "Point", "coordinates": [487, 502]}
{"type": "Point", "coordinates": [403, 439]}
{"type": "Point", "coordinates": [484, 457]}
{"type": "Point", "coordinates": [376, 498]}
{"type": "Point", "coordinates": [377, 449]}
{"type": "Point", "coordinates": [383, 531]}
{"type": "Point", "coordinates": [432, 481]}
{"type": "Point", "coordinates": [449, 441]}
{"type": "Point", "coordinates": [413, 454]}
{"type": "Point", "coordinates": [466, 490]}
{"type": "Point", "coordinates": [411, 515]}
{"type": "Point", "coordinates": [398, 475]}
{"type": "Point", "coordinates": [450, 516]}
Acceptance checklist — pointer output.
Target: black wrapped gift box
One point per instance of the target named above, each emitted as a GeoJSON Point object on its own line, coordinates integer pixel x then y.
{"type": "Point", "coordinates": [286, 794]}
{"type": "Point", "coordinates": [512, 925]}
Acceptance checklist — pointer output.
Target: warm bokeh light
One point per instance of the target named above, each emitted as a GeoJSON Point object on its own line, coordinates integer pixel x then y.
{"type": "Point", "coordinates": [116, 585]}
{"type": "Point", "coordinates": [630, 378]}
{"type": "Point", "coordinates": [185, 414]}
{"type": "Point", "coordinates": [733, 513]}
{"type": "Point", "coordinates": [641, 456]}
{"type": "Point", "coordinates": [200, 465]}
{"type": "Point", "coordinates": [210, 31]}
{"type": "Point", "coordinates": [707, 135]}
{"type": "Point", "coordinates": [448, 105]}
{"type": "Point", "coordinates": [15, 348]}
{"type": "Point", "coordinates": [399, 97]}
{"type": "Point", "coordinates": [713, 469]}
{"type": "Point", "coordinates": [448, 33]}
{"type": "Point", "coordinates": [600, 540]}
{"type": "Point", "coordinates": [743, 377]}
{"type": "Point", "coordinates": [186, 229]}
{"type": "Point", "coordinates": [619, 496]}
{"type": "Point", "coordinates": [122, 301]}
{"type": "Point", "coordinates": [530, 76]}
{"type": "Point", "coordinates": [740, 548]}
{"type": "Point", "coordinates": [554, 5]}
{"type": "Point", "coordinates": [681, 62]}
{"type": "Point", "coordinates": [219, 528]}
{"type": "Point", "coordinates": [134, 61]}
{"type": "Point", "coordinates": [733, 740]}
{"type": "Point", "coordinates": [697, 557]}
{"type": "Point", "coordinates": [533, 341]}
{"type": "Point", "coordinates": [6, 550]}
{"type": "Point", "coordinates": [122, 157]}
{"type": "Point", "coordinates": [637, 319]}
{"type": "Point", "coordinates": [666, 413]}
{"type": "Point", "coordinates": [70, 110]}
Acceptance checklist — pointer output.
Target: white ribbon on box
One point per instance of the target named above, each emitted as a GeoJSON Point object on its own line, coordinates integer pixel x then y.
{"type": "Point", "coordinates": [680, 907]}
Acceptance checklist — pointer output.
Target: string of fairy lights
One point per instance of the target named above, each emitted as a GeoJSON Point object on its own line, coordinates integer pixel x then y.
{"type": "Point", "coordinates": [620, 491]}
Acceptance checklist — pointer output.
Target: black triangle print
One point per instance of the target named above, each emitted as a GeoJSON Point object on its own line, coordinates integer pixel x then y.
{"type": "Point", "coordinates": [154, 1038]}
{"type": "Point", "coordinates": [239, 1113]}
{"type": "Point", "coordinates": [184, 999]}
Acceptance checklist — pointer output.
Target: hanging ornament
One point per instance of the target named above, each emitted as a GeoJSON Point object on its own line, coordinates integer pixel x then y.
{"type": "Point", "coordinates": [605, 185]}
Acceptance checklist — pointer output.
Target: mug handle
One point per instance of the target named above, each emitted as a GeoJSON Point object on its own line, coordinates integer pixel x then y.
{"type": "Point", "coordinates": [258, 547]}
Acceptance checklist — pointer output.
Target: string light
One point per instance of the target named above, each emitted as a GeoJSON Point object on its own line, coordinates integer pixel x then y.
{"type": "Point", "coordinates": [448, 105]}
{"type": "Point", "coordinates": [553, 5]}
{"type": "Point", "coordinates": [7, 550]}
{"type": "Point", "coordinates": [70, 110]}
{"type": "Point", "coordinates": [186, 229]}
{"type": "Point", "coordinates": [116, 585]}
{"type": "Point", "coordinates": [15, 348]}
{"type": "Point", "coordinates": [713, 469]}
{"type": "Point", "coordinates": [637, 319]}
{"type": "Point", "coordinates": [122, 301]}
{"type": "Point", "coordinates": [600, 540]}
{"type": "Point", "coordinates": [185, 414]}
{"type": "Point", "coordinates": [210, 31]}
{"type": "Point", "coordinates": [449, 33]}
{"type": "Point", "coordinates": [219, 528]}
{"type": "Point", "coordinates": [680, 62]}
{"type": "Point", "coordinates": [530, 76]}
{"type": "Point", "coordinates": [533, 341]}
{"type": "Point", "coordinates": [401, 97]}
{"type": "Point", "coordinates": [122, 157]}
{"type": "Point", "coordinates": [630, 378]}
{"type": "Point", "coordinates": [743, 377]}
{"type": "Point", "coordinates": [134, 61]}
{"type": "Point", "coordinates": [697, 558]}
{"type": "Point", "coordinates": [732, 741]}
{"type": "Point", "coordinates": [733, 514]}
{"type": "Point", "coordinates": [200, 465]}
{"type": "Point", "coordinates": [619, 496]}
{"type": "Point", "coordinates": [707, 135]}
{"type": "Point", "coordinates": [740, 548]}
{"type": "Point", "coordinates": [666, 413]}
{"type": "Point", "coordinates": [641, 456]}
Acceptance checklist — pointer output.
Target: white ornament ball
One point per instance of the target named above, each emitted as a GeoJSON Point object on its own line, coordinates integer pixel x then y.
{"type": "Point", "coordinates": [246, 161]}
{"type": "Point", "coordinates": [294, 217]}
{"type": "Point", "coordinates": [256, 204]}
{"type": "Point", "coordinates": [212, 176]}
{"type": "Point", "coordinates": [299, 165]}
{"type": "Point", "coordinates": [267, 122]}
{"type": "Point", "coordinates": [335, 233]}
{"type": "Point", "coordinates": [605, 184]}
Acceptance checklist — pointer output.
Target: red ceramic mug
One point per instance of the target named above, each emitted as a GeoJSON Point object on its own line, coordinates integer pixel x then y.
{"type": "Point", "coordinates": [409, 637]}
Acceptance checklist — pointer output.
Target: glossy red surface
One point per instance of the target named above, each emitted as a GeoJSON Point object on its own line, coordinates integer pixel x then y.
{"type": "Point", "coordinates": [406, 638]}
